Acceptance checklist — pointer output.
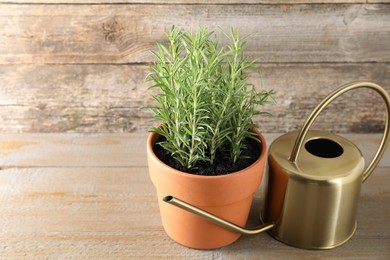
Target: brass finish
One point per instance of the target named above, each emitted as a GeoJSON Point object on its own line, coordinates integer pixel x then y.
{"type": "Point", "coordinates": [314, 201]}
{"type": "Point", "coordinates": [214, 219]}
{"type": "Point", "coordinates": [312, 193]}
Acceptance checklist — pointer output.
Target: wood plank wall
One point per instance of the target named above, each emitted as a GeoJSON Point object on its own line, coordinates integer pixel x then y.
{"type": "Point", "coordinates": [79, 65]}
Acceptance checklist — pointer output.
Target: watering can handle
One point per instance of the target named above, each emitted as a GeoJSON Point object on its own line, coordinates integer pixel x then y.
{"type": "Point", "coordinates": [332, 96]}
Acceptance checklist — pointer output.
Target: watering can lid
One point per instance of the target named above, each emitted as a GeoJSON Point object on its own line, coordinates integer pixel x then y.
{"type": "Point", "coordinates": [325, 157]}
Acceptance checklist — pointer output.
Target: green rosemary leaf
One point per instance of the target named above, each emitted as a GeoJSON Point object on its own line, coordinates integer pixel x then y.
{"type": "Point", "coordinates": [206, 102]}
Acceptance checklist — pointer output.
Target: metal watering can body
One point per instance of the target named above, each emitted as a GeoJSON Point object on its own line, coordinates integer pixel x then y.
{"type": "Point", "coordinates": [314, 184]}
{"type": "Point", "coordinates": [313, 202]}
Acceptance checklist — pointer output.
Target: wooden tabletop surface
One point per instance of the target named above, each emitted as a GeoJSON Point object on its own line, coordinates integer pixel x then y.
{"type": "Point", "coordinates": [78, 196]}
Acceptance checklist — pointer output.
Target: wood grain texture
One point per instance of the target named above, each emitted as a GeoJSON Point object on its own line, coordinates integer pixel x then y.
{"type": "Point", "coordinates": [57, 34]}
{"type": "Point", "coordinates": [106, 208]}
{"type": "Point", "coordinates": [73, 150]}
{"type": "Point", "coordinates": [113, 150]}
{"type": "Point", "coordinates": [79, 65]}
{"type": "Point", "coordinates": [191, 1]}
{"type": "Point", "coordinates": [111, 98]}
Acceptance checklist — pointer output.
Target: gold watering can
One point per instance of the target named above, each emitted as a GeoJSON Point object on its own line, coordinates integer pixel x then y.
{"type": "Point", "coordinates": [313, 193]}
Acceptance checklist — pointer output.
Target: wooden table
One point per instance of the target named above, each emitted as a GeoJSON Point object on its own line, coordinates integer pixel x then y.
{"type": "Point", "coordinates": [76, 196]}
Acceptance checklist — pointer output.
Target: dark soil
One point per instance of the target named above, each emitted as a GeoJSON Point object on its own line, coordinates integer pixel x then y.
{"type": "Point", "coordinates": [221, 166]}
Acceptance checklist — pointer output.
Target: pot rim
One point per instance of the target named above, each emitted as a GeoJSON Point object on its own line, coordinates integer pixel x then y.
{"type": "Point", "coordinates": [152, 138]}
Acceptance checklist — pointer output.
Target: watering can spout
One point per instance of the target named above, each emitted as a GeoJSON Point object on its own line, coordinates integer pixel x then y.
{"type": "Point", "coordinates": [214, 219]}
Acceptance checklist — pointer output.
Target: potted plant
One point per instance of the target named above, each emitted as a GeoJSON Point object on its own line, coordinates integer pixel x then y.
{"type": "Point", "coordinates": [206, 149]}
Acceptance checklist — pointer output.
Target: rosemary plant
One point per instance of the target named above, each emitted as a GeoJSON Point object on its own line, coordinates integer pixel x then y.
{"type": "Point", "coordinates": [205, 102]}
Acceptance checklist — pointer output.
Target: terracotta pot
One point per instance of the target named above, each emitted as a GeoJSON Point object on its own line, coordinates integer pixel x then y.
{"type": "Point", "coordinates": [227, 196]}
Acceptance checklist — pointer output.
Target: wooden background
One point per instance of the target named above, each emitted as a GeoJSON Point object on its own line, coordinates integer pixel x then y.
{"type": "Point", "coordinates": [79, 65]}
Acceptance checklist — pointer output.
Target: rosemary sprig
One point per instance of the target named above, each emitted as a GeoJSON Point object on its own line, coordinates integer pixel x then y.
{"type": "Point", "coordinates": [205, 103]}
